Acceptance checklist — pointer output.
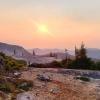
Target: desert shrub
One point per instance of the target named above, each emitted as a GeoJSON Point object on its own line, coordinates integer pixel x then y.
{"type": "Point", "coordinates": [86, 79]}
{"type": "Point", "coordinates": [65, 63]}
{"type": "Point", "coordinates": [82, 64]}
{"type": "Point", "coordinates": [10, 63]}
{"type": "Point", "coordinates": [7, 87]}
{"type": "Point", "coordinates": [24, 85]}
{"type": "Point", "coordinates": [81, 61]}
{"type": "Point", "coordinates": [97, 66]}
{"type": "Point", "coordinates": [37, 65]}
{"type": "Point", "coordinates": [15, 86]}
{"type": "Point", "coordinates": [55, 64]}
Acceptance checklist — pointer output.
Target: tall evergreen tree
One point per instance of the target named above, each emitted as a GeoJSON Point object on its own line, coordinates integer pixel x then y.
{"type": "Point", "coordinates": [51, 54]}
{"type": "Point", "coordinates": [14, 51]}
{"type": "Point", "coordinates": [34, 53]}
{"type": "Point", "coordinates": [76, 53]}
{"type": "Point", "coordinates": [83, 51]}
{"type": "Point", "coordinates": [81, 60]}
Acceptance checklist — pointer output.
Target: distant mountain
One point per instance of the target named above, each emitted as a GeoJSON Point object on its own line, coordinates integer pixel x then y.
{"type": "Point", "coordinates": [93, 53]}
{"type": "Point", "coordinates": [42, 55]}
{"type": "Point", "coordinates": [19, 52]}
{"type": "Point", "coordinates": [59, 53]}
{"type": "Point", "coordinates": [15, 51]}
{"type": "Point", "coordinates": [39, 51]}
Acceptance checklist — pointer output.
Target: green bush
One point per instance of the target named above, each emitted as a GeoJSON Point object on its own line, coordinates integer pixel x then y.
{"type": "Point", "coordinates": [24, 85]}
{"type": "Point", "coordinates": [10, 63]}
{"type": "Point", "coordinates": [97, 66]}
{"type": "Point", "coordinates": [82, 64]}
{"type": "Point", "coordinates": [7, 87]}
{"type": "Point", "coordinates": [15, 86]}
{"type": "Point", "coordinates": [86, 79]}
{"type": "Point", "coordinates": [56, 64]}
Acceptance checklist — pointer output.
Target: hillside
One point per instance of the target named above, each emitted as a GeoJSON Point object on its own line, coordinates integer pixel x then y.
{"type": "Point", "coordinates": [8, 63]}
{"type": "Point", "coordinates": [59, 53]}
{"type": "Point", "coordinates": [42, 55]}
{"type": "Point", "coordinates": [19, 52]}
{"type": "Point", "coordinates": [39, 51]}
{"type": "Point", "coordinates": [93, 53]}
{"type": "Point", "coordinates": [15, 51]}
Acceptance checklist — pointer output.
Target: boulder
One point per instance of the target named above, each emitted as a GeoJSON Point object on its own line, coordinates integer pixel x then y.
{"type": "Point", "coordinates": [25, 96]}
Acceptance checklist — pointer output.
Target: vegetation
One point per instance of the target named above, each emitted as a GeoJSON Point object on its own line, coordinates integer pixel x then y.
{"type": "Point", "coordinates": [82, 78]}
{"type": "Point", "coordinates": [24, 85]}
{"type": "Point", "coordinates": [15, 85]}
{"type": "Point", "coordinates": [12, 84]}
{"type": "Point", "coordinates": [8, 63]}
{"type": "Point", "coordinates": [34, 53]}
{"type": "Point", "coordinates": [81, 61]}
{"type": "Point", "coordinates": [7, 87]}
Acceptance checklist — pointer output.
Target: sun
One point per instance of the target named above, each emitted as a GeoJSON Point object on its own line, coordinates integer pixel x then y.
{"type": "Point", "coordinates": [42, 28]}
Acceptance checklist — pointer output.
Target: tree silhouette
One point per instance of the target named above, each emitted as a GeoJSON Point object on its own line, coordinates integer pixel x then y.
{"type": "Point", "coordinates": [2, 66]}
{"type": "Point", "coordinates": [14, 51]}
{"type": "Point", "coordinates": [51, 54]}
{"type": "Point", "coordinates": [80, 53]}
{"type": "Point", "coordinates": [34, 53]}
{"type": "Point", "coordinates": [83, 51]}
{"type": "Point", "coordinates": [81, 60]}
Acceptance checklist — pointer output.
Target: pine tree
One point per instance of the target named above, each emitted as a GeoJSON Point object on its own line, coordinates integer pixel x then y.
{"type": "Point", "coordinates": [51, 54]}
{"type": "Point", "coordinates": [83, 51]}
{"type": "Point", "coordinates": [81, 59]}
{"type": "Point", "coordinates": [77, 53]}
{"type": "Point", "coordinates": [22, 54]}
{"type": "Point", "coordinates": [2, 66]}
{"type": "Point", "coordinates": [66, 52]}
{"type": "Point", "coordinates": [14, 51]}
{"type": "Point", "coordinates": [34, 53]}
{"type": "Point", "coordinates": [80, 53]}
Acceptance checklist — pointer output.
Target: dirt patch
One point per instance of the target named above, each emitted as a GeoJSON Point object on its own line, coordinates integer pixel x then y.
{"type": "Point", "coordinates": [62, 86]}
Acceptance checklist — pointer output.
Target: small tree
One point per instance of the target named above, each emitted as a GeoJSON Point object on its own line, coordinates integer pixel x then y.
{"type": "Point", "coordinates": [83, 51]}
{"type": "Point", "coordinates": [22, 54]}
{"type": "Point", "coordinates": [34, 53]}
{"type": "Point", "coordinates": [51, 54]}
{"type": "Point", "coordinates": [14, 51]}
{"type": "Point", "coordinates": [81, 60]}
{"type": "Point", "coordinates": [2, 66]}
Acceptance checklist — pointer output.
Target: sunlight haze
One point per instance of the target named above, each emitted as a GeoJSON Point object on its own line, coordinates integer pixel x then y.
{"type": "Point", "coordinates": [50, 23]}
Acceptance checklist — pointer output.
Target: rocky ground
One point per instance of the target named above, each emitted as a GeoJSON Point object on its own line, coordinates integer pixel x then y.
{"type": "Point", "coordinates": [60, 84]}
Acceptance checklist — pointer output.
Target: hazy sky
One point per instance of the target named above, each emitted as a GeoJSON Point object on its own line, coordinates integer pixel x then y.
{"type": "Point", "coordinates": [50, 23]}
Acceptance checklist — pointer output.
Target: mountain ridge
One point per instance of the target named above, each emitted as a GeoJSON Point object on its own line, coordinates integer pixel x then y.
{"type": "Point", "coordinates": [15, 51]}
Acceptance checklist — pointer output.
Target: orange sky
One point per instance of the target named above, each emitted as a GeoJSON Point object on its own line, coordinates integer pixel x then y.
{"type": "Point", "coordinates": [18, 25]}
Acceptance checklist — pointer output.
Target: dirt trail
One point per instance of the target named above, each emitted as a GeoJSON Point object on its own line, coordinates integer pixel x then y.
{"type": "Point", "coordinates": [62, 86]}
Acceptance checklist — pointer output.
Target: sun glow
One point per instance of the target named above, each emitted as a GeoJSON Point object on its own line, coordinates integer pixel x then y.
{"type": "Point", "coordinates": [42, 28]}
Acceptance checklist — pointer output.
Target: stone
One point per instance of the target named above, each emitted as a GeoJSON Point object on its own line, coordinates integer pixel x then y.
{"type": "Point", "coordinates": [25, 96]}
